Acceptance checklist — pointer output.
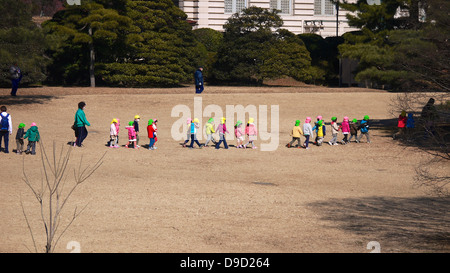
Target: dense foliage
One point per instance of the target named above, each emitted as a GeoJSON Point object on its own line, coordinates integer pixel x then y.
{"type": "Point", "coordinates": [254, 48]}
{"type": "Point", "coordinates": [21, 42]}
{"type": "Point", "coordinates": [402, 44]}
{"type": "Point", "coordinates": [138, 43]}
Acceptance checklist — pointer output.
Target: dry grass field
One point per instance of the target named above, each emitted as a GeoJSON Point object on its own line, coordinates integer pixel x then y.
{"type": "Point", "coordinates": [173, 199]}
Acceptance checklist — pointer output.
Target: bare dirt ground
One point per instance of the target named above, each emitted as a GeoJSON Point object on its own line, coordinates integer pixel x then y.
{"type": "Point", "coordinates": [174, 199]}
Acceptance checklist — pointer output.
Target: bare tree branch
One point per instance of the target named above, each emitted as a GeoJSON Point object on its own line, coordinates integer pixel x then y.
{"type": "Point", "coordinates": [54, 177]}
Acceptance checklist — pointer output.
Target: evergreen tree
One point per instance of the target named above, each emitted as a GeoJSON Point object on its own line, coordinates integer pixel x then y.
{"type": "Point", "coordinates": [324, 57]}
{"type": "Point", "coordinates": [162, 50]}
{"type": "Point", "coordinates": [129, 43]}
{"type": "Point", "coordinates": [88, 34]}
{"type": "Point", "coordinates": [251, 40]}
{"type": "Point", "coordinates": [21, 42]}
{"type": "Point", "coordinates": [210, 41]}
{"type": "Point", "coordinates": [402, 44]}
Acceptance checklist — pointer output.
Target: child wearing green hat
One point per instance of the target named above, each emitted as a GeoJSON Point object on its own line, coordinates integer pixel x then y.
{"type": "Point", "coordinates": [353, 129]}
{"type": "Point", "coordinates": [334, 131]}
{"type": "Point", "coordinates": [151, 134]}
{"type": "Point", "coordinates": [364, 128]}
{"type": "Point", "coordinates": [296, 133]}
{"type": "Point", "coordinates": [209, 131]}
{"type": "Point", "coordinates": [19, 138]}
{"type": "Point", "coordinates": [131, 135]}
{"type": "Point", "coordinates": [239, 134]}
{"type": "Point", "coordinates": [320, 132]}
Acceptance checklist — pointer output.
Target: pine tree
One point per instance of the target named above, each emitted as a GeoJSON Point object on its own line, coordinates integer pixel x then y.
{"type": "Point", "coordinates": [88, 34]}
{"type": "Point", "coordinates": [408, 52]}
{"type": "Point", "coordinates": [162, 50]}
{"type": "Point", "coordinates": [21, 42]}
{"type": "Point", "coordinates": [254, 48]}
{"type": "Point", "coordinates": [129, 43]}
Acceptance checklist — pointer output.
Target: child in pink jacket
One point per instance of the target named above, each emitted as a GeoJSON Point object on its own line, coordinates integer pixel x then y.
{"type": "Point", "coordinates": [251, 133]}
{"type": "Point", "coordinates": [239, 135]}
{"type": "Point", "coordinates": [117, 131]}
{"type": "Point", "coordinates": [131, 135]}
{"type": "Point", "coordinates": [345, 127]}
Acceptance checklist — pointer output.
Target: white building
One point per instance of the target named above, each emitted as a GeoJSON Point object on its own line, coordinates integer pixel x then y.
{"type": "Point", "coordinates": [299, 16]}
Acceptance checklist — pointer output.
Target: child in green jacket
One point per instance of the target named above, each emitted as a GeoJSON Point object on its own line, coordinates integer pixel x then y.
{"type": "Point", "coordinates": [33, 136]}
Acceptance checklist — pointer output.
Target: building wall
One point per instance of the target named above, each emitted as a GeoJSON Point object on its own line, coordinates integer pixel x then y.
{"type": "Point", "coordinates": [300, 19]}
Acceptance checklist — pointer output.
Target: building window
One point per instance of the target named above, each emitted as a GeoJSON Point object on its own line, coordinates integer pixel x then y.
{"type": "Point", "coordinates": [233, 6]}
{"type": "Point", "coordinates": [284, 6]}
{"type": "Point", "coordinates": [324, 7]}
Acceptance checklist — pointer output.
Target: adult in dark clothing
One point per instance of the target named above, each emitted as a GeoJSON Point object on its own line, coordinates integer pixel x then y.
{"type": "Point", "coordinates": [198, 76]}
{"type": "Point", "coordinates": [429, 116]}
{"type": "Point", "coordinates": [16, 77]}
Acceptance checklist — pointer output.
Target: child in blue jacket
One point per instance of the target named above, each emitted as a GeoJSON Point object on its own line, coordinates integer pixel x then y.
{"type": "Point", "coordinates": [364, 129]}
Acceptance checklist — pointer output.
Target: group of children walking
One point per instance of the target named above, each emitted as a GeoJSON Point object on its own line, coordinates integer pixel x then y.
{"type": "Point", "coordinates": [244, 136]}
{"type": "Point", "coordinates": [249, 134]}
{"type": "Point", "coordinates": [347, 128]}
{"type": "Point", "coordinates": [133, 133]}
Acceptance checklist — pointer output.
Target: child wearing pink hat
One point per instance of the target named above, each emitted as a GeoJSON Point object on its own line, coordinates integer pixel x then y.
{"type": "Point", "coordinates": [33, 137]}
{"type": "Point", "coordinates": [307, 131]}
{"type": "Point", "coordinates": [345, 128]}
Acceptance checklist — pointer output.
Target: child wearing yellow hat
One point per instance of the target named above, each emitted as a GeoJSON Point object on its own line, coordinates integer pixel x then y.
{"type": "Point", "coordinates": [222, 129]}
{"type": "Point", "coordinates": [401, 125]}
{"type": "Point", "coordinates": [194, 126]}
{"type": "Point", "coordinates": [136, 128]}
{"type": "Point", "coordinates": [251, 133]}
{"type": "Point", "coordinates": [113, 134]}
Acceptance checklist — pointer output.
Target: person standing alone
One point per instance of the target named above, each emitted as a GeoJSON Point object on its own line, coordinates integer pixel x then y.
{"type": "Point", "coordinates": [198, 76]}
{"type": "Point", "coordinates": [16, 77]}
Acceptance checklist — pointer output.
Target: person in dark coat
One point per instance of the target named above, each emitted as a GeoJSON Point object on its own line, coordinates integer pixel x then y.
{"type": "Point", "coordinates": [16, 77]}
{"type": "Point", "coordinates": [429, 116]}
{"type": "Point", "coordinates": [198, 76]}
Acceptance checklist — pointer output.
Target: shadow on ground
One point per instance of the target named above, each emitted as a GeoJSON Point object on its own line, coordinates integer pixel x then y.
{"type": "Point", "coordinates": [24, 100]}
{"type": "Point", "coordinates": [398, 224]}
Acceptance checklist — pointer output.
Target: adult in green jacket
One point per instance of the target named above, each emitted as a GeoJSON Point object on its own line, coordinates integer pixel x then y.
{"type": "Point", "coordinates": [80, 124]}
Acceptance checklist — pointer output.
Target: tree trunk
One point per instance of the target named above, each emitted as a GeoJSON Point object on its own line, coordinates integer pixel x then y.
{"type": "Point", "coordinates": [92, 60]}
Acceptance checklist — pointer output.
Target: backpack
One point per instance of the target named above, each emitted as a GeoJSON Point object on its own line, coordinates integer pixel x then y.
{"type": "Point", "coordinates": [5, 123]}
{"type": "Point", "coordinates": [364, 126]}
{"type": "Point", "coordinates": [15, 72]}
